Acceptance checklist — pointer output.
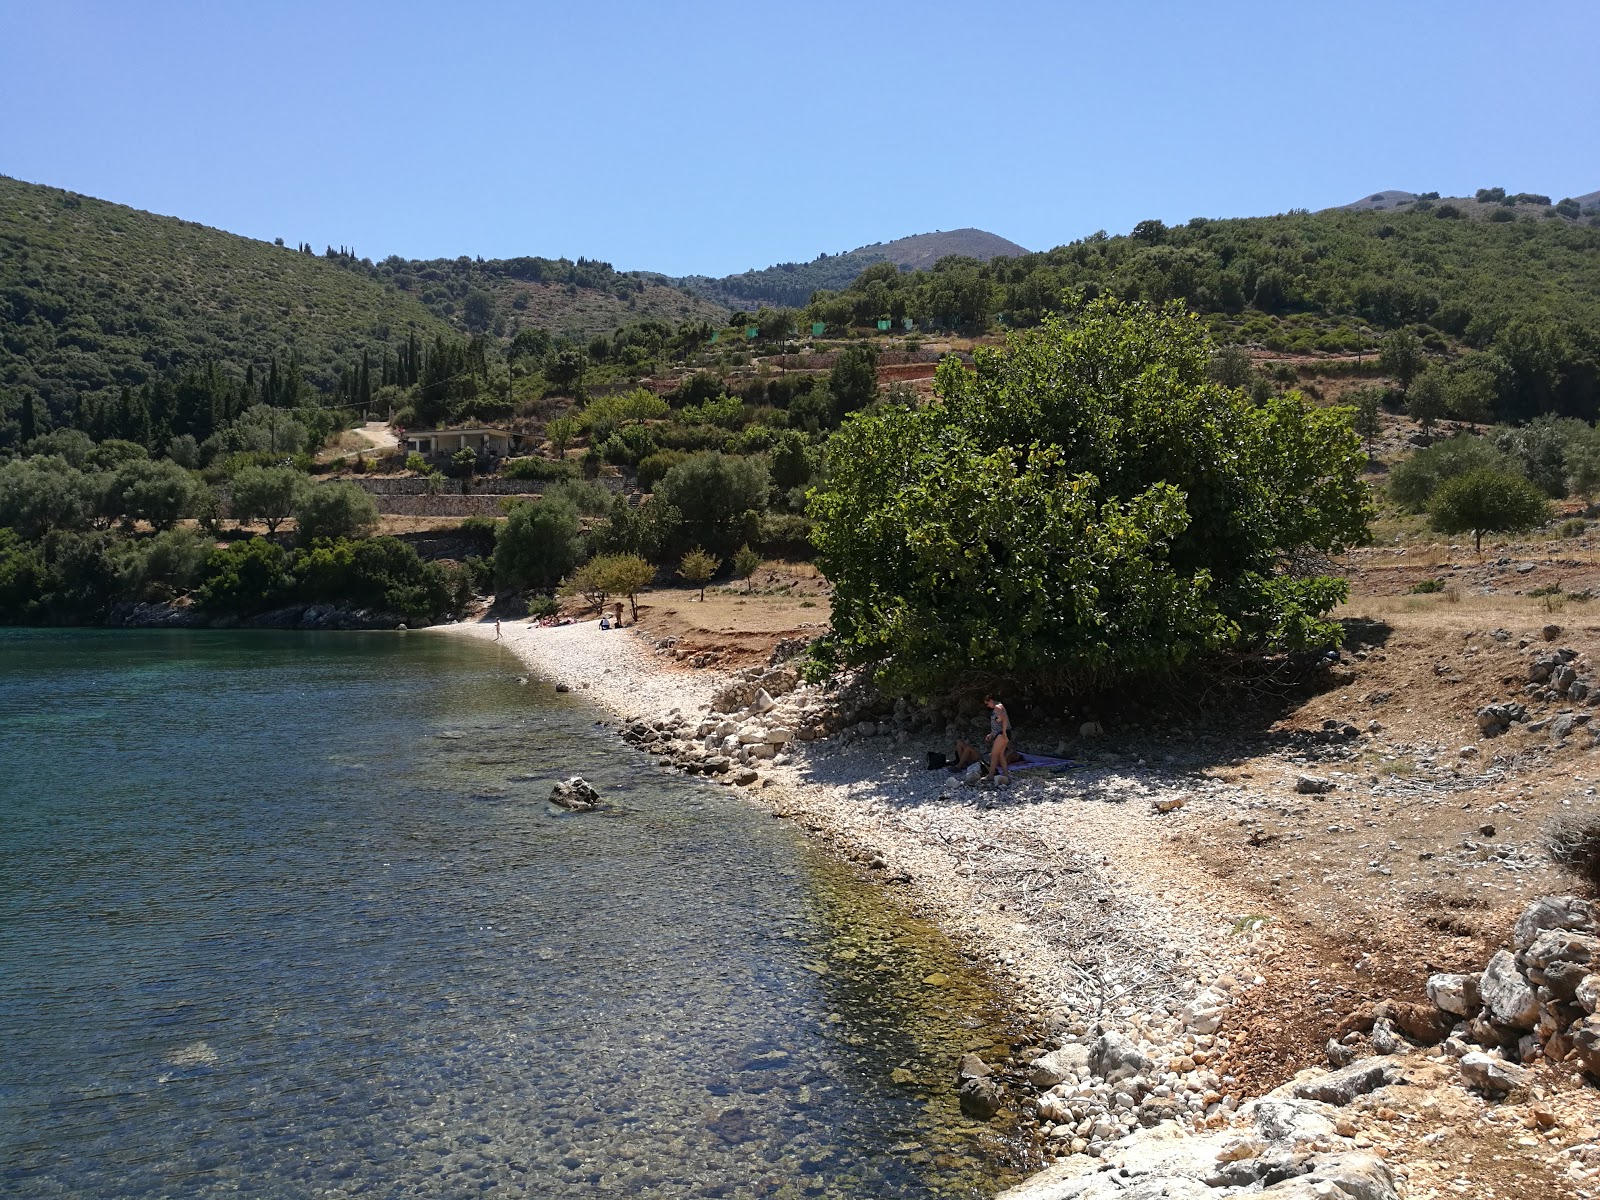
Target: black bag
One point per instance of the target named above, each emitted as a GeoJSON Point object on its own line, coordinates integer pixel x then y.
{"type": "Point", "coordinates": [936, 760]}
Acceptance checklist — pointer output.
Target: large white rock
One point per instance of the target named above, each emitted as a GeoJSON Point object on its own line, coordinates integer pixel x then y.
{"type": "Point", "coordinates": [763, 702]}
{"type": "Point", "coordinates": [1552, 912]}
{"type": "Point", "coordinates": [1050, 1069]}
{"type": "Point", "coordinates": [1506, 993]}
{"type": "Point", "coordinates": [778, 735]}
{"type": "Point", "coordinates": [1588, 993]}
{"type": "Point", "coordinates": [1491, 1072]}
{"type": "Point", "coordinates": [1456, 994]}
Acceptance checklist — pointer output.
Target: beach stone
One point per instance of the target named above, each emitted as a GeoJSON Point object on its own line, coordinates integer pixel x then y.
{"type": "Point", "coordinates": [1114, 1058]}
{"type": "Point", "coordinates": [576, 794]}
{"type": "Point", "coordinates": [1344, 1085]}
{"type": "Point", "coordinates": [1050, 1069]}
{"type": "Point", "coordinates": [746, 777]}
{"type": "Point", "coordinates": [1491, 1073]}
{"type": "Point", "coordinates": [1457, 994]}
{"type": "Point", "coordinates": [1506, 993]}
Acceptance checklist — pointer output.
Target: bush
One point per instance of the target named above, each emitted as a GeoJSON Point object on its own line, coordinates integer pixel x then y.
{"type": "Point", "coordinates": [786, 535]}
{"type": "Point", "coordinates": [1427, 587]}
{"type": "Point", "coordinates": [538, 468]}
{"type": "Point", "coordinates": [1573, 843]}
{"type": "Point", "coordinates": [416, 463]}
{"type": "Point", "coordinates": [334, 510]}
{"type": "Point", "coordinates": [381, 573]}
{"type": "Point", "coordinates": [160, 567]}
{"type": "Point", "coordinates": [480, 531]}
{"type": "Point", "coordinates": [654, 466]}
{"type": "Point", "coordinates": [246, 577]}
{"type": "Point", "coordinates": [541, 605]}
{"type": "Point", "coordinates": [1573, 528]}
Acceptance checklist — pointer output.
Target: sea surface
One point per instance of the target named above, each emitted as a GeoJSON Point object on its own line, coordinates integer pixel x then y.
{"type": "Point", "coordinates": [290, 915]}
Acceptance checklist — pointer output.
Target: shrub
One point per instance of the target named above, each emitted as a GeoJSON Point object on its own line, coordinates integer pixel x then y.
{"type": "Point", "coordinates": [1573, 528]}
{"type": "Point", "coordinates": [1427, 587]}
{"type": "Point", "coordinates": [542, 604]}
{"type": "Point", "coordinates": [1501, 215]}
{"type": "Point", "coordinates": [334, 510]}
{"type": "Point", "coordinates": [382, 573]}
{"type": "Point", "coordinates": [653, 467]}
{"type": "Point", "coordinates": [786, 535]}
{"type": "Point", "coordinates": [246, 577]}
{"type": "Point", "coordinates": [1573, 843]}
{"type": "Point", "coordinates": [416, 463]}
{"type": "Point", "coordinates": [538, 468]}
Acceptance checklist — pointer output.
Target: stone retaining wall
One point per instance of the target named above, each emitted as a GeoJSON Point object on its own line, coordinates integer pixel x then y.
{"type": "Point", "coordinates": [443, 506]}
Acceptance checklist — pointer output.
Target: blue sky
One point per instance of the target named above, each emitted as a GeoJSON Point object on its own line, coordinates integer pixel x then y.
{"type": "Point", "coordinates": [712, 138]}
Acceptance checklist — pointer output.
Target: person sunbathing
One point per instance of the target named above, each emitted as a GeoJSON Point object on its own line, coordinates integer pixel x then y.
{"type": "Point", "coordinates": [967, 754]}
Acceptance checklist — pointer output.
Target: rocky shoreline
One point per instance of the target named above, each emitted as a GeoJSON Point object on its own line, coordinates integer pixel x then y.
{"type": "Point", "coordinates": [1128, 966]}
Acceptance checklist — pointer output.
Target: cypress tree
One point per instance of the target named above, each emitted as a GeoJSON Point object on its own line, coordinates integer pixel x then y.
{"type": "Point", "coordinates": [30, 427]}
{"type": "Point", "coordinates": [364, 398]}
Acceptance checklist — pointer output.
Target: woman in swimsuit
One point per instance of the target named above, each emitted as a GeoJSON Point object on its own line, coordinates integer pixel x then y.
{"type": "Point", "coordinates": [999, 739]}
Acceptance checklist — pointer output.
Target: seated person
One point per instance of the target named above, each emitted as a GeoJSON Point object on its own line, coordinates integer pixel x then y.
{"type": "Point", "coordinates": [967, 754]}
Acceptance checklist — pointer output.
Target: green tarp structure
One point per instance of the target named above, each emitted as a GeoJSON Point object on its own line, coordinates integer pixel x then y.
{"type": "Point", "coordinates": [883, 325]}
{"type": "Point", "coordinates": [750, 332]}
{"type": "Point", "coordinates": [818, 329]}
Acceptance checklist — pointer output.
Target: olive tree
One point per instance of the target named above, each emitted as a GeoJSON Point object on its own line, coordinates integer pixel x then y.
{"type": "Point", "coordinates": [334, 510]}
{"type": "Point", "coordinates": [537, 544]}
{"type": "Point", "coordinates": [696, 569]}
{"type": "Point", "coordinates": [1487, 501]}
{"type": "Point", "coordinates": [269, 494]}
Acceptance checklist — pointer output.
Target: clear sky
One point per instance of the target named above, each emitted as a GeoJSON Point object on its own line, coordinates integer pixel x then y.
{"type": "Point", "coordinates": [716, 137]}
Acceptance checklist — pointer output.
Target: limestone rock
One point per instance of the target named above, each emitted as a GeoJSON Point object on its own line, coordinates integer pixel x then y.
{"type": "Point", "coordinates": [575, 794]}
{"type": "Point", "coordinates": [979, 1097]}
{"type": "Point", "coordinates": [1203, 1014]}
{"type": "Point", "coordinates": [1491, 1073]}
{"type": "Point", "coordinates": [1311, 785]}
{"type": "Point", "coordinates": [1456, 994]}
{"type": "Point", "coordinates": [1561, 945]}
{"type": "Point", "coordinates": [1552, 912]}
{"type": "Point", "coordinates": [1506, 993]}
{"type": "Point", "coordinates": [1357, 1176]}
{"type": "Point", "coordinates": [1344, 1085]}
{"type": "Point", "coordinates": [1050, 1069]}
{"type": "Point", "coordinates": [1114, 1058]}
{"type": "Point", "coordinates": [1587, 993]}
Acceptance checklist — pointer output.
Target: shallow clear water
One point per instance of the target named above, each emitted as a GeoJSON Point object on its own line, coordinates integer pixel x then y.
{"type": "Point", "coordinates": [288, 915]}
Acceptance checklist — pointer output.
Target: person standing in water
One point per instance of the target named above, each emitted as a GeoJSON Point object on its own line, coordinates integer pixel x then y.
{"type": "Point", "coordinates": [999, 739]}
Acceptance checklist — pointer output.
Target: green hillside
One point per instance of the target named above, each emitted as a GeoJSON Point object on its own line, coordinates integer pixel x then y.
{"type": "Point", "coordinates": [95, 295]}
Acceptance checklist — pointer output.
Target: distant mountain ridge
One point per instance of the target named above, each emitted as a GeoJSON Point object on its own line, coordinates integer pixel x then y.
{"type": "Point", "coordinates": [791, 284]}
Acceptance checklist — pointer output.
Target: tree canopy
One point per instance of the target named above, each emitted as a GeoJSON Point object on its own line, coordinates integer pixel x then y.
{"type": "Point", "coordinates": [1087, 502]}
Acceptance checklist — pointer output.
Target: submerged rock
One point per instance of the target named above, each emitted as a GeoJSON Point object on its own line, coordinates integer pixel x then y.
{"type": "Point", "coordinates": [576, 794]}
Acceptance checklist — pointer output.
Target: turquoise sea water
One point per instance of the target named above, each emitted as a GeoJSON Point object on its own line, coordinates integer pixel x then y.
{"type": "Point", "coordinates": [288, 915]}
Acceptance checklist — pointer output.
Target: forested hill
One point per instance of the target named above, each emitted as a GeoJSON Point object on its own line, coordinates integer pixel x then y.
{"type": "Point", "coordinates": [94, 296]}
{"type": "Point", "coordinates": [791, 284]}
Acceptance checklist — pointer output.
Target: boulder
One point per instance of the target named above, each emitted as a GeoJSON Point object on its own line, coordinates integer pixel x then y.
{"type": "Point", "coordinates": [575, 794]}
{"type": "Point", "coordinates": [978, 1093]}
{"type": "Point", "coordinates": [1585, 1039]}
{"type": "Point", "coordinates": [1114, 1058]}
{"type": "Point", "coordinates": [1457, 994]}
{"type": "Point", "coordinates": [1385, 1038]}
{"type": "Point", "coordinates": [1356, 1176]}
{"type": "Point", "coordinates": [1506, 993]}
{"type": "Point", "coordinates": [1344, 1085]}
{"type": "Point", "coordinates": [1560, 945]}
{"type": "Point", "coordinates": [1552, 912]}
{"type": "Point", "coordinates": [779, 736]}
{"type": "Point", "coordinates": [1311, 785]}
{"type": "Point", "coordinates": [763, 703]}
{"type": "Point", "coordinates": [1491, 1073]}
{"type": "Point", "coordinates": [1291, 1125]}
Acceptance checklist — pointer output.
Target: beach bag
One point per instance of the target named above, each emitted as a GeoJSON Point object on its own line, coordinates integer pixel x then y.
{"type": "Point", "coordinates": [936, 760]}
